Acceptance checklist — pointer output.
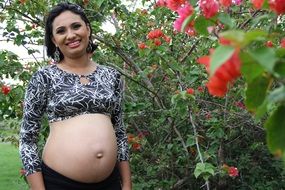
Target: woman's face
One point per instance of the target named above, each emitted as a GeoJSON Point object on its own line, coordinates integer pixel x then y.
{"type": "Point", "coordinates": [70, 34]}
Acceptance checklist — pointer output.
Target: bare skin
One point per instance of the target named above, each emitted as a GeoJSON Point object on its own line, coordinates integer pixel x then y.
{"type": "Point", "coordinates": [82, 148]}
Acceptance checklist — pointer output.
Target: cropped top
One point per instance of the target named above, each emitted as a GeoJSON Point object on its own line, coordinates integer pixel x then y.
{"type": "Point", "coordinates": [61, 95]}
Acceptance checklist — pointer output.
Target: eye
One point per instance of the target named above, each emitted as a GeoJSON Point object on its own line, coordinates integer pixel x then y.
{"type": "Point", "coordinates": [60, 31]}
{"type": "Point", "coordinates": [76, 26]}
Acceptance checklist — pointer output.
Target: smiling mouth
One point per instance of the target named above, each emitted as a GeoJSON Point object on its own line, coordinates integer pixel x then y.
{"type": "Point", "coordinates": [73, 44]}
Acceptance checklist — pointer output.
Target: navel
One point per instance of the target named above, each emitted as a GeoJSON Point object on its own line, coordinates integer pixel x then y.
{"type": "Point", "coordinates": [99, 155]}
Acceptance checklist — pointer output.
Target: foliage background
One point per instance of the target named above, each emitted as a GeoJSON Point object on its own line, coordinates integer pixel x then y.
{"type": "Point", "coordinates": [177, 140]}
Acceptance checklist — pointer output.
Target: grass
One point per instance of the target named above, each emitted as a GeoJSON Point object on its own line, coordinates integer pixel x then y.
{"type": "Point", "coordinates": [10, 166]}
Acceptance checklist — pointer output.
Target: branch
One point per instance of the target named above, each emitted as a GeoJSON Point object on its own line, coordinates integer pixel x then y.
{"type": "Point", "coordinates": [36, 21]}
{"type": "Point", "coordinates": [180, 137]}
{"type": "Point", "coordinates": [189, 52]}
{"type": "Point", "coordinates": [131, 79]}
{"type": "Point", "coordinates": [130, 62]}
{"type": "Point", "coordinates": [37, 62]}
{"type": "Point", "coordinates": [197, 143]}
{"type": "Point", "coordinates": [242, 26]}
{"type": "Point", "coordinates": [179, 184]}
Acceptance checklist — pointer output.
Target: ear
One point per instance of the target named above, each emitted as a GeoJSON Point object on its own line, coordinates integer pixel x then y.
{"type": "Point", "coordinates": [89, 29]}
{"type": "Point", "coordinates": [53, 40]}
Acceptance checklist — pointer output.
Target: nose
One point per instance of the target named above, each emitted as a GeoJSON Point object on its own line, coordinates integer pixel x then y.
{"type": "Point", "coordinates": [70, 35]}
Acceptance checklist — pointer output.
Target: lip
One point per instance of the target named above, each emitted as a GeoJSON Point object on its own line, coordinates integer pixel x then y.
{"type": "Point", "coordinates": [73, 44]}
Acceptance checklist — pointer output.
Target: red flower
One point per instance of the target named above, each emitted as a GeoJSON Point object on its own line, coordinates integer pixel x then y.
{"type": "Point", "coordinates": [34, 25]}
{"type": "Point", "coordinates": [282, 43]}
{"type": "Point", "coordinates": [240, 105]}
{"type": "Point", "coordinates": [183, 12]}
{"type": "Point", "coordinates": [190, 91]}
{"type": "Point", "coordinates": [157, 33]}
{"type": "Point", "coordinates": [85, 2]}
{"type": "Point", "coordinates": [157, 42]}
{"type": "Point", "coordinates": [224, 41]}
{"type": "Point", "coordinates": [131, 138]}
{"type": "Point", "coordinates": [217, 86]}
{"type": "Point", "coordinates": [136, 146]}
{"type": "Point", "coordinates": [143, 134]}
{"type": "Point", "coordinates": [191, 32]}
{"type": "Point", "coordinates": [200, 89]}
{"type": "Point", "coordinates": [208, 115]}
{"type": "Point", "coordinates": [237, 2]}
{"type": "Point", "coordinates": [257, 3]}
{"type": "Point", "coordinates": [277, 6]}
{"type": "Point", "coordinates": [167, 39]}
{"type": "Point", "coordinates": [174, 4]}
{"type": "Point", "coordinates": [209, 8]}
{"type": "Point", "coordinates": [5, 89]}
{"type": "Point", "coordinates": [142, 45]}
{"type": "Point", "coordinates": [269, 44]}
{"type": "Point", "coordinates": [226, 3]}
{"type": "Point", "coordinates": [22, 1]}
{"type": "Point", "coordinates": [160, 3]}
{"type": "Point", "coordinates": [233, 172]}
{"type": "Point", "coordinates": [224, 75]}
{"type": "Point", "coordinates": [143, 11]}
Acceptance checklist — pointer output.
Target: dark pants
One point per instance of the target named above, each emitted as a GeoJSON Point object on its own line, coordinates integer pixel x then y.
{"type": "Point", "coordinates": [55, 181]}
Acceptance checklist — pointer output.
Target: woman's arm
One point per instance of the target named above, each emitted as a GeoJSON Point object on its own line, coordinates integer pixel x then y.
{"type": "Point", "coordinates": [36, 181]}
{"type": "Point", "coordinates": [34, 108]}
{"type": "Point", "coordinates": [122, 140]}
{"type": "Point", "coordinates": [125, 171]}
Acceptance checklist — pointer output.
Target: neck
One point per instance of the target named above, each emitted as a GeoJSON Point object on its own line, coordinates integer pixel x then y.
{"type": "Point", "coordinates": [81, 62]}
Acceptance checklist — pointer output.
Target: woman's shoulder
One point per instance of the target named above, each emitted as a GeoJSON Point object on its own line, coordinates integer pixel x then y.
{"type": "Point", "coordinates": [105, 69]}
{"type": "Point", "coordinates": [44, 72]}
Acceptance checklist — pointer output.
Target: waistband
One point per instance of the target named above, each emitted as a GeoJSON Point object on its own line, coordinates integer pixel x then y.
{"type": "Point", "coordinates": [54, 180]}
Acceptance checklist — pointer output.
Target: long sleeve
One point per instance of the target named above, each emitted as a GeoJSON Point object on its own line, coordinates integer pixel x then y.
{"type": "Point", "coordinates": [117, 120]}
{"type": "Point", "coordinates": [34, 107]}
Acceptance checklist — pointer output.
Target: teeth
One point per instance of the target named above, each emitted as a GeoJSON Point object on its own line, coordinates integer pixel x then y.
{"type": "Point", "coordinates": [73, 43]}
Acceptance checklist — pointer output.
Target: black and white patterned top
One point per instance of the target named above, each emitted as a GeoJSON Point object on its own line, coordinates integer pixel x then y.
{"type": "Point", "coordinates": [61, 95]}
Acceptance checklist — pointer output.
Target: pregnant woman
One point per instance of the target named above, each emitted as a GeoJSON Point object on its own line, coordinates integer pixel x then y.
{"type": "Point", "coordinates": [87, 145]}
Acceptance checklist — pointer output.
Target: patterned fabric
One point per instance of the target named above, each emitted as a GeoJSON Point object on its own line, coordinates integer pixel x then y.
{"type": "Point", "coordinates": [61, 95]}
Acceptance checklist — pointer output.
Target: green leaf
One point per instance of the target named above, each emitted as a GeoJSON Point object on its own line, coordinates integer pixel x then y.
{"type": "Point", "coordinates": [236, 36]}
{"type": "Point", "coordinates": [193, 2]}
{"type": "Point", "coordinates": [220, 55]}
{"type": "Point", "coordinates": [256, 92]}
{"type": "Point", "coordinates": [261, 110]}
{"type": "Point", "coordinates": [279, 69]}
{"type": "Point", "coordinates": [250, 69]}
{"type": "Point", "coordinates": [175, 98]}
{"type": "Point", "coordinates": [201, 25]}
{"type": "Point", "coordinates": [99, 3]}
{"type": "Point", "coordinates": [275, 130]}
{"type": "Point", "coordinates": [190, 141]}
{"type": "Point", "coordinates": [226, 19]}
{"type": "Point", "coordinates": [256, 20]}
{"type": "Point", "coordinates": [186, 22]}
{"type": "Point", "coordinates": [265, 57]}
{"type": "Point", "coordinates": [204, 169]}
{"type": "Point", "coordinates": [280, 52]}
{"type": "Point", "coordinates": [254, 35]}
{"type": "Point", "coordinates": [278, 95]}
{"type": "Point", "coordinates": [175, 66]}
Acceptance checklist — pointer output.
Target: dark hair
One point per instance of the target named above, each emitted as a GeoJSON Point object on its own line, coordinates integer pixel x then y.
{"type": "Point", "coordinates": [57, 10]}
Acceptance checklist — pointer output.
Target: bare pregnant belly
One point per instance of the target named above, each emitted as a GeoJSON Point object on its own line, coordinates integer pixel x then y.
{"type": "Point", "coordinates": [83, 148]}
